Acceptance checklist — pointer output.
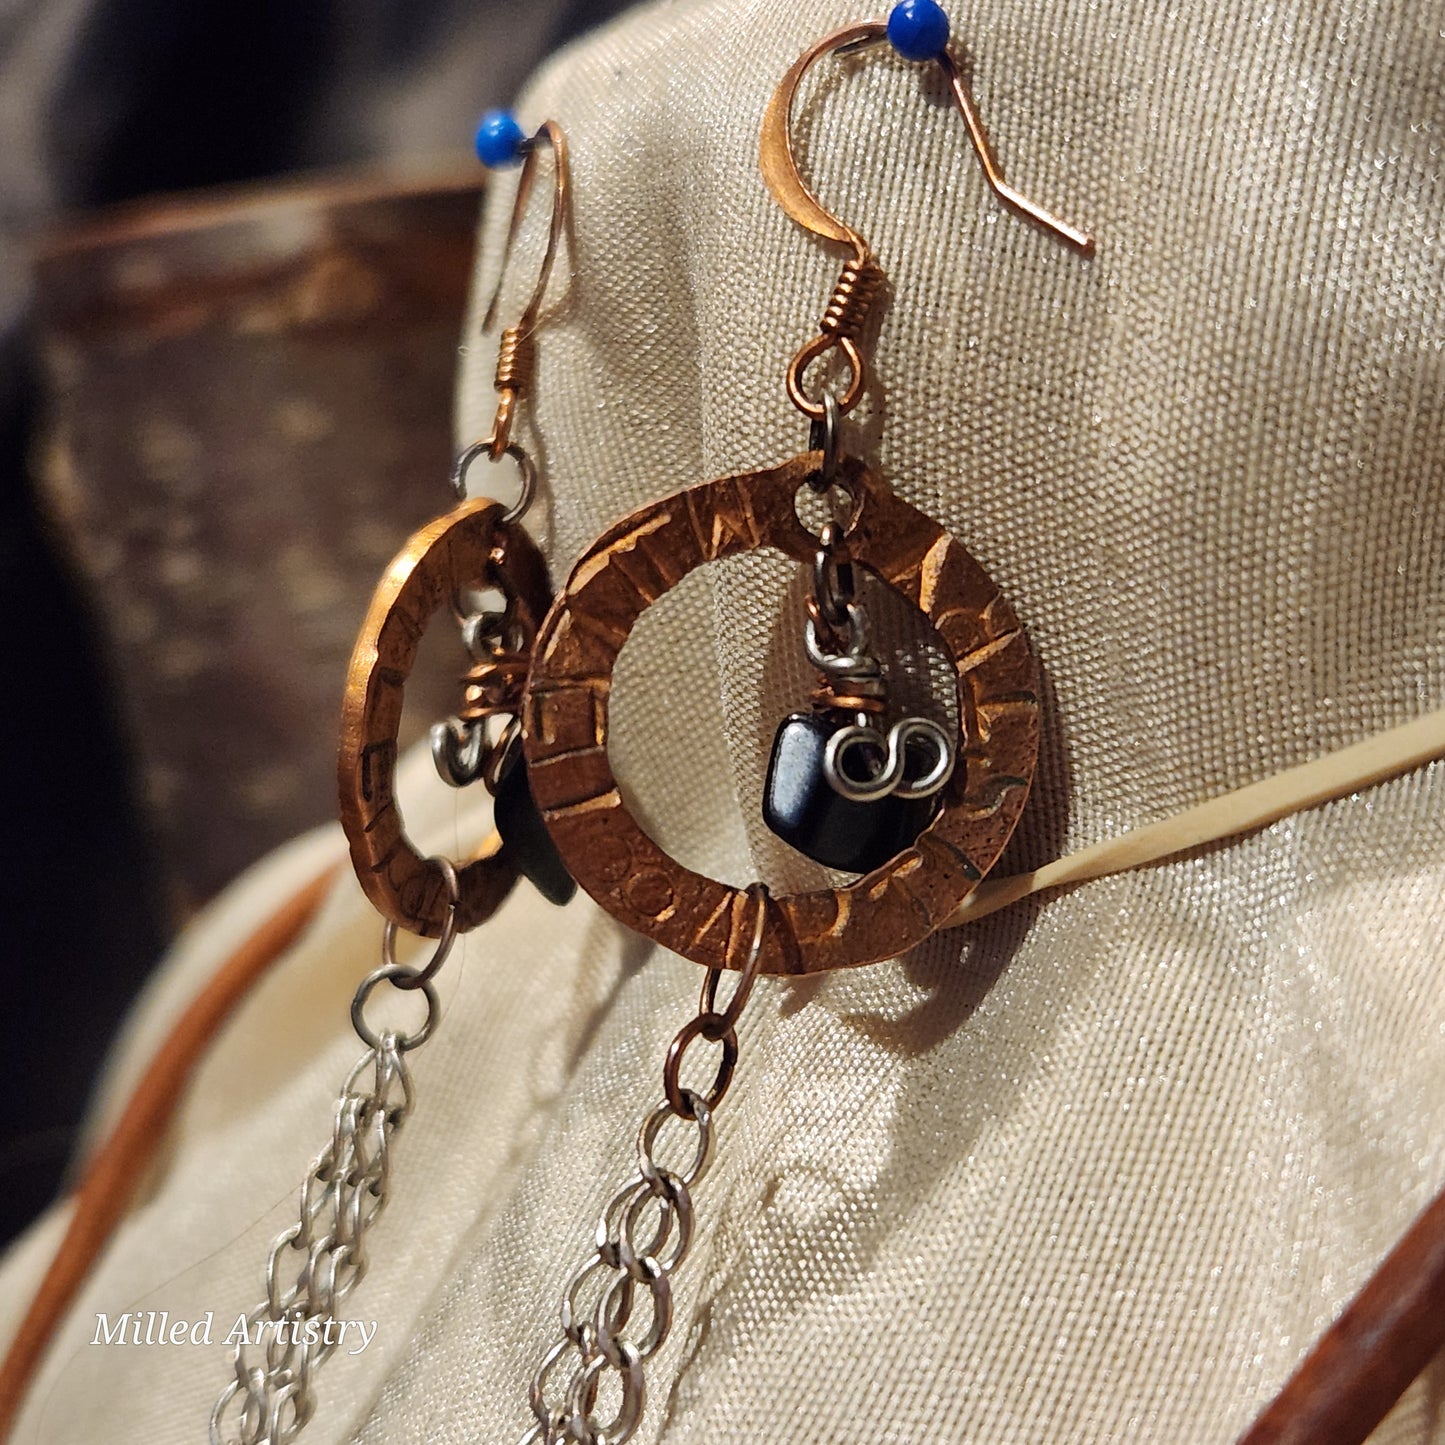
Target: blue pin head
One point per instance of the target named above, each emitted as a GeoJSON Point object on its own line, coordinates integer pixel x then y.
{"type": "Point", "coordinates": [918, 29]}
{"type": "Point", "coordinates": [500, 140]}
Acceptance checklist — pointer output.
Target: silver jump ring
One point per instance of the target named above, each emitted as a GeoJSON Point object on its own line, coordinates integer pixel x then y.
{"type": "Point", "coordinates": [701, 1115]}
{"type": "Point", "coordinates": [583, 1396]}
{"type": "Point", "coordinates": [823, 437]}
{"type": "Point", "coordinates": [548, 1417]}
{"type": "Point", "coordinates": [402, 977]}
{"type": "Point", "coordinates": [420, 977]}
{"type": "Point", "coordinates": [858, 661]}
{"type": "Point", "coordinates": [834, 586]}
{"type": "Point", "coordinates": [525, 465]}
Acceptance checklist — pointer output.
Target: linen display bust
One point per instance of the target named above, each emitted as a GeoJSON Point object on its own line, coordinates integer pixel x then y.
{"type": "Point", "coordinates": [1099, 1167]}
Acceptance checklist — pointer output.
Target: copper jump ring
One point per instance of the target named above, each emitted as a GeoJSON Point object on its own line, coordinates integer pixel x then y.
{"type": "Point", "coordinates": [704, 1026]}
{"type": "Point", "coordinates": [727, 1019]}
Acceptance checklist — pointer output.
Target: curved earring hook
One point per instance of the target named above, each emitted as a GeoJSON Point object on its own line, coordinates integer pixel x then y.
{"type": "Point", "coordinates": [548, 134]}
{"type": "Point", "coordinates": [516, 352]}
{"type": "Point", "coordinates": [780, 165]}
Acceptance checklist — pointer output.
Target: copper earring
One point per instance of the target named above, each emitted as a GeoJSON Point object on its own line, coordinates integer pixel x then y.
{"type": "Point", "coordinates": [947, 808]}
{"type": "Point", "coordinates": [478, 546]}
{"type": "Point", "coordinates": [951, 808]}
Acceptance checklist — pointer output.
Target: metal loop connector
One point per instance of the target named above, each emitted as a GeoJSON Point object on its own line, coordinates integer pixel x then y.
{"type": "Point", "coordinates": [483, 630]}
{"type": "Point", "coordinates": [856, 661]}
{"type": "Point", "coordinates": [842, 324]}
{"type": "Point", "coordinates": [833, 583]}
{"type": "Point", "coordinates": [525, 466]}
{"type": "Point", "coordinates": [421, 977]}
{"type": "Point", "coordinates": [583, 1397]}
{"type": "Point", "coordinates": [823, 437]}
{"type": "Point", "coordinates": [851, 394]}
{"type": "Point", "coordinates": [708, 1027]}
{"type": "Point", "coordinates": [727, 1018]}
{"type": "Point", "coordinates": [404, 978]}
{"type": "Point", "coordinates": [647, 1165]}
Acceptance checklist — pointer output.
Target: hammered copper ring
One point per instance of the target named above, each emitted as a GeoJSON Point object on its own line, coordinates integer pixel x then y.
{"type": "Point", "coordinates": [565, 723]}
{"type": "Point", "coordinates": [446, 556]}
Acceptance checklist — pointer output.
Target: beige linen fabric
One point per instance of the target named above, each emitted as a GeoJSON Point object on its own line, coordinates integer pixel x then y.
{"type": "Point", "coordinates": [1099, 1168]}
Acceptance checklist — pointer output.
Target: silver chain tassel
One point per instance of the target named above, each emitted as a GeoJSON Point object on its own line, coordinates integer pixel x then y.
{"type": "Point", "coordinates": [294, 1328]}
{"type": "Point", "coordinates": [643, 1236]}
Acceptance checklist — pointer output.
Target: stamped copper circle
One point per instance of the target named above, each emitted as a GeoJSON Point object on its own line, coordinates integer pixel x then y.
{"type": "Point", "coordinates": [437, 563]}
{"type": "Point", "coordinates": [565, 722]}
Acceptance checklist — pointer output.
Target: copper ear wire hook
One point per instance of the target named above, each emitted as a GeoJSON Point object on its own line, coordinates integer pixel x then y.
{"type": "Point", "coordinates": [1014, 200]}
{"type": "Point", "coordinates": [780, 165]}
{"type": "Point", "coordinates": [862, 277]}
{"type": "Point", "coordinates": [549, 134]}
{"type": "Point", "coordinates": [516, 356]}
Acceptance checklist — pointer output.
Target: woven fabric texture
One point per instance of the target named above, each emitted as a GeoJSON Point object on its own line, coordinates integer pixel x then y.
{"type": "Point", "coordinates": [1099, 1168]}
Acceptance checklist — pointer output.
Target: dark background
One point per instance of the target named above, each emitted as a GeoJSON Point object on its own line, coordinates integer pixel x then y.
{"type": "Point", "coordinates": [102, 102]}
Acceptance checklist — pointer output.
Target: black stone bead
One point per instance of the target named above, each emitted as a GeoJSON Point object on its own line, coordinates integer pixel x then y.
{"type": "Point", "coordinates": [525, 835]}
{"type": "Point", "coordinates": [804, 810]}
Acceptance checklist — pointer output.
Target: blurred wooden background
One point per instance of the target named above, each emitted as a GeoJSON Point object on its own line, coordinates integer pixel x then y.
{"type": "Point", "coordinates": [246, 408]}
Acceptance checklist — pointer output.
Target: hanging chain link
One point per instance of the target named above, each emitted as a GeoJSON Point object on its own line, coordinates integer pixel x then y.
{"type": "Point", "coordinates": [294, 1329]}
{"type": "Point", "coordinates": [643, 1236]}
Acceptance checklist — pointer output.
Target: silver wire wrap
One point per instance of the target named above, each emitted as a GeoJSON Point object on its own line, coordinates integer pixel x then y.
{"type": "Point", "coordinates": [461, 749]}
{"type": "Point", "coordinates": [272, 1395]}
{"type": "Point", "coordinates": [642, 1236]}
{"type": "Point", "coordinates": [881, 766]}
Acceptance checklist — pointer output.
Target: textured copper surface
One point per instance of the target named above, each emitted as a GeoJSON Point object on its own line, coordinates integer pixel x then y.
{"type": "Point", "coordinates": [444, 557]}
{"type": "Point", "coordinates": [565, 721]}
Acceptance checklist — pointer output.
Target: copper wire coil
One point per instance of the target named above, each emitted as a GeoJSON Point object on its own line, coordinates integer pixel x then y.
{"type": "Point", "coordinates": [516, 360]}
{"type": "Point", "coordinates": [826, 699]}
{"type": "Point", "coordinates": [493, 686]}
{"type": "Point", "coordinates": [858, 286]}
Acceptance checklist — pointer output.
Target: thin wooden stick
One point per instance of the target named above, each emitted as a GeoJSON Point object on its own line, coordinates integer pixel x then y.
{"type": "Point", "coordinates": [1365, 1361]}
{"type": "Point", "coordinates": [1332, 775]}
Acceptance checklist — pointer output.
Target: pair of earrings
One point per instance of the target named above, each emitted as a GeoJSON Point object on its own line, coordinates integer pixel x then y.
{"type": "Point", "coordinates": [919, 813]}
